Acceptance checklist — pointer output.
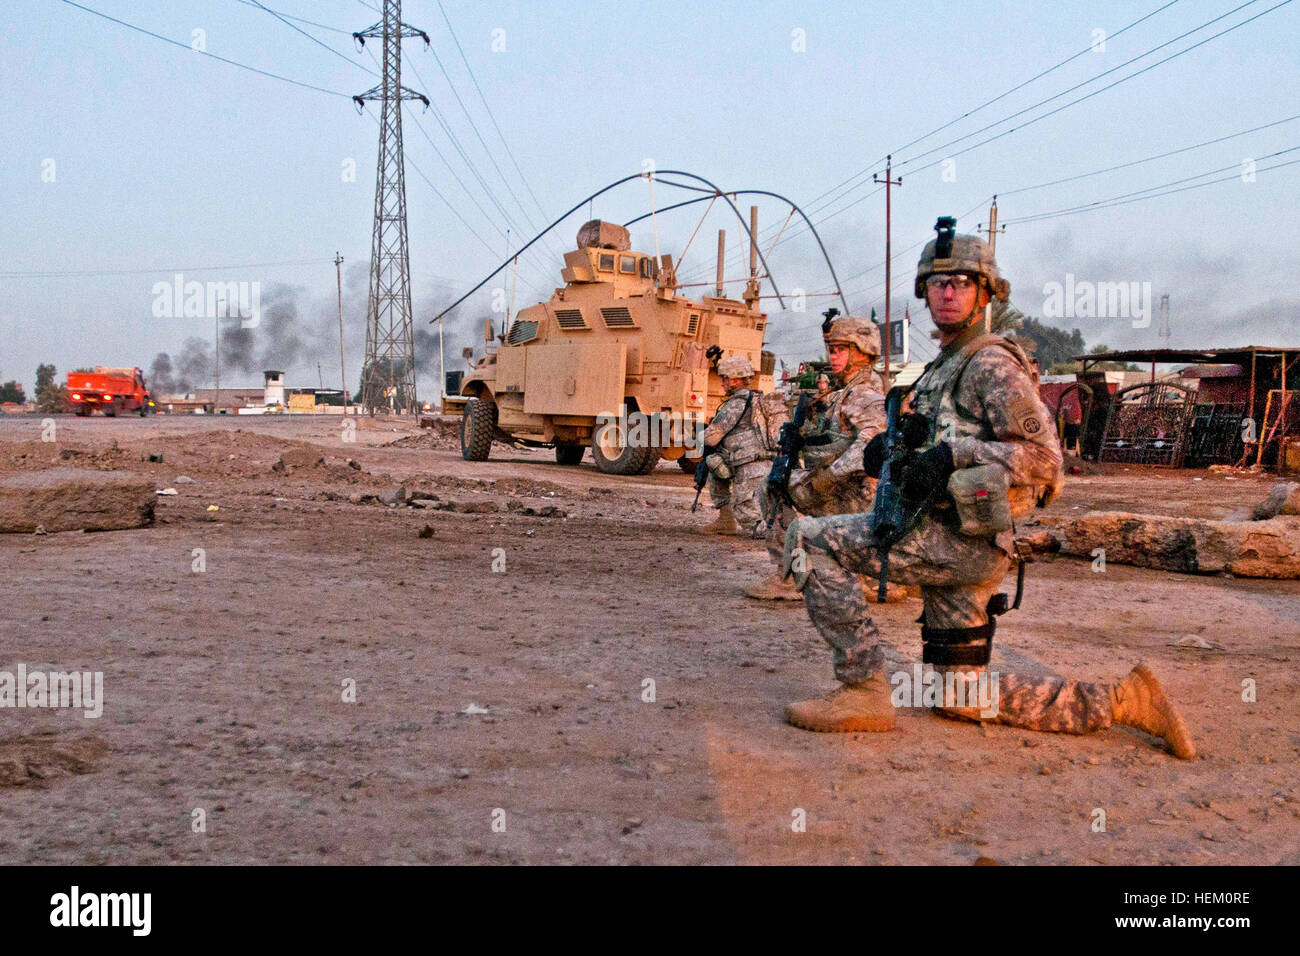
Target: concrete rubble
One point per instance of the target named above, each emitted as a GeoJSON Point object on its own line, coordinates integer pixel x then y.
{"type": "Point", "coordinates": [74, 499]}
{"type": "Point", "coordinates": [1254, 549]}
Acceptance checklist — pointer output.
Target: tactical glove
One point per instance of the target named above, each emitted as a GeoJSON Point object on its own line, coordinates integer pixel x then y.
{"type": "Point", "coordinates": [915, 430]}
{"type": "Point", "coordinates": [928, 473]}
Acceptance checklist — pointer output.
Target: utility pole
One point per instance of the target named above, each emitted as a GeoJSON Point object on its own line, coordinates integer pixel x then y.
{"type": "Point", "coordinates": [719, 286]}
{"type": "Point", "coordinates": [888, 182]}
{"type": "Point", "coordinates": [216, 404]}
{"type": "Point", "coordinates": [343, 369]}
{"type": "Point", "coordinates": [390, 335]}
{"type": "Point", "coordinates": [751, 287]}
{"type": "Point", "coordinates": [992, 232]}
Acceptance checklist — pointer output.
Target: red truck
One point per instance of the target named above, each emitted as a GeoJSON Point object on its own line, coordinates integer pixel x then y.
{"type": "Point", "coordinates": [111, 389]}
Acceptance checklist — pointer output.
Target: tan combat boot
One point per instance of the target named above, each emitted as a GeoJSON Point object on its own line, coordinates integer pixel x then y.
{"type": "Point", "coordinates": [850, 708]}
{"type": "Point", "coordinates": [1139, 701]}
{"type": "Point", "coordinates": [724, 523]}
{"type": "Point", "coordinates": [774, 588]}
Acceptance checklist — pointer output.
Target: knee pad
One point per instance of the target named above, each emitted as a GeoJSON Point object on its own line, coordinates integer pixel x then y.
{"type": "Point", "coordinates": [958, 646]}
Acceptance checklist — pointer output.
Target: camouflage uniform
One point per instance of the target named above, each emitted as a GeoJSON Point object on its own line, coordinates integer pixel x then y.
{"type": "Point", "coordinates": [987, 408]}
{"type": "Point", "coordinates": [854, 415]}
{"type": "Point", "coordinates": [734, 433]}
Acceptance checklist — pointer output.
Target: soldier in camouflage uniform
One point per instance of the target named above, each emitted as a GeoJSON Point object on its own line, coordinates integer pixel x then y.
{"type": "Point", "coordinates": [980, 402]}
{"type": "Point", "coordinates": [832, 480]}
{"type": "Point", "coordinates": [736, 453]}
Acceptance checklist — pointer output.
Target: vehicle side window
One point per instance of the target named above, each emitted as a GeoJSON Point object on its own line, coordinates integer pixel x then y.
{"type": "Point", "coordinates": [647, 268]}
{"type": "Point", "coordinates": [607, 261]}
{"type": "Point", "coordinates": [627, 265]}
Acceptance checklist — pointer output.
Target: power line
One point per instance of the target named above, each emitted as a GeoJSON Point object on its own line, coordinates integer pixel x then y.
{"type": "Point", "coordinates": [473, 168]}
{"type": "Point", "coordinates": [1088, 96]}
{"type": "Point", "coordinates": [320, 43]}
{"type": "Point", "coordinates": [1081, 99]}
{"type": "Point", "coordinates": [491, 115]}
{"type": "Point", "coordinates": [1086, 50]}
{"type": "Point", "coordinates": [491, 158]}
{"type": "Point", "coordinates": [420, 126]}
{"type": "Point", "coordinates": [214, 56]}
{"type": "Point", "coordinates": [362, 66]}
{"type": "Point", "coordinates": [1148, 159]}
{"type": "Point", "coordinates": [1124, 199]}
{"type": "Point", "coordinates": [289, 16]}
{"type": "Point", "coordinates": [455, 142]}
{"type": "Point", "coordinates": [796, 233]}
{"type": "Point", "coordinates": [872, 167]}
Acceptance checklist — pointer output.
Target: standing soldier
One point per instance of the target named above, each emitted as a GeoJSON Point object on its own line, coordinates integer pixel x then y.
{"type": "Point", "coordinates": [979, 405]}
{"type": "Point", "coordinates": [833, 480]}
{"type": "Point", "coordinates": [736, 453]}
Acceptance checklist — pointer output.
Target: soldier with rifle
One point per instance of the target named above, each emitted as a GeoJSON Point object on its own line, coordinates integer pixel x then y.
{"type": "Point", "coordinates": [735, 460]}
{"type": "Point", "coordinates": [821, 473]}
{"type": "Point", "coordinates": [974, 451]}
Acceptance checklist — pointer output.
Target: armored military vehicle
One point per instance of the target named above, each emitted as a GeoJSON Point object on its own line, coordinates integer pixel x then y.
{"type": "Point", "coordinates": [618, 345]}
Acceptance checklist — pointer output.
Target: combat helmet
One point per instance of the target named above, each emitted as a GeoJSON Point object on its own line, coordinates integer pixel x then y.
{"type": "Point", "coordinates": [735, 366]}
{"type": "Point", "coordinates": [861, 333]}
{"type": "Point", "coordinates": [949, 252]}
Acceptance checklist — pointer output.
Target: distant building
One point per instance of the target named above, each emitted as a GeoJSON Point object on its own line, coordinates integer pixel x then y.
{"type": "Point", "coordinates": [1227, 406]}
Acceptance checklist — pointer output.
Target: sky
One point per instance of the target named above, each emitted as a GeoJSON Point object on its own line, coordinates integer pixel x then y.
{"type": "Point", "coordinates": [128, 160]}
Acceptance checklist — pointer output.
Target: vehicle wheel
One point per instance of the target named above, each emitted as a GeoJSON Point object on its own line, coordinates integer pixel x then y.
{"type": "Point", "coordinates": [651, 460]}
{"type": "Point", "coordinates": [110, 410]}
{"type": "Point", "coordinates": [688, 464]}
{"type": "Point", "coordinates": [476, 428]}
{"type": "Point", "coordinates": [144, 409]}
{"type": "Point", "coordinates": [83, 411]}
{"type": "Point", "coordinates": [569, 454]}
{"type": "Point", "coordinates": [613, 456]}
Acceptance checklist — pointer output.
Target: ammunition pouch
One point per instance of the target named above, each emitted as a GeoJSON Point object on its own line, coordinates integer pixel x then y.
{"type": "Point", "coordinates": [958, 646]}
{"type": "Point", "coordinates": [718, 467]}
{"type": "Point", "coordinates": [982, 496]}
{"type": "Point", "coordinates": [746, 452]}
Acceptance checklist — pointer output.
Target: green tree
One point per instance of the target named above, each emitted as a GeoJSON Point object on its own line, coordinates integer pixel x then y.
{"type": "Point", "coordinates": [50, 398]}
{"type": "Point", "coordinates": [1056, 347]}
{"type": "Point", "coordinates": [12, 391]}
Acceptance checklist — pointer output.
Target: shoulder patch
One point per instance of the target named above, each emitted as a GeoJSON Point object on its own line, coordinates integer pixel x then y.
{"type": "Point", "coordinates": [1024, 412]}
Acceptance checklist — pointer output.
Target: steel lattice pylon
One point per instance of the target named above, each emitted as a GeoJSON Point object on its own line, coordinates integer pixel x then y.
{"type": "Point", "coordinates": [388, 376]}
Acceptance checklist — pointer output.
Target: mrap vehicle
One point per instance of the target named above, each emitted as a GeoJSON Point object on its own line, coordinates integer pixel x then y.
{"type": "Point", "coordinates": [615, 343]}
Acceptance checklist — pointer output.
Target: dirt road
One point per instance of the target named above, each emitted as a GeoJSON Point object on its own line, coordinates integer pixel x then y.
{"type": "Point", "coordinates": [503, 714]}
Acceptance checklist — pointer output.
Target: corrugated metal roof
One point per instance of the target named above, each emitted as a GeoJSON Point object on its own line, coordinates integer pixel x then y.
{"type": "Point", "coordinates": [1225, 356]}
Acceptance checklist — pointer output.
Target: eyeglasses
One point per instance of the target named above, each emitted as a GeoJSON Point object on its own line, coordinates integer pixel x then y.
{"type": "Point", "coordinates": [959, 283]}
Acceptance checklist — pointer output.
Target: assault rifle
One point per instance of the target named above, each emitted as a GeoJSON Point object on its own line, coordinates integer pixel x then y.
{"type": "Point", "coordinates": [789, 444]}
{"type": "Point", "coordinates": [892, 514]}
{"type": "Point", "coordinates": [701, 476]}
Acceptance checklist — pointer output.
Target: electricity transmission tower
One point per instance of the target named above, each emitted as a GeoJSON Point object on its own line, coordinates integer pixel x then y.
{"type": "Point", "coordinates": [388, 376]}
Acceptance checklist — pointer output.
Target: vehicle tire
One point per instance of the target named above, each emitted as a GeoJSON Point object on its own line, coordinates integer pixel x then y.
{"type": "Point", "coordinates": [569, 454]}
{"type": "Point", "coordinates": [83, 411]}
{"type": "Point", "coordinates": [144, 408]}
{"type": "Point", "coordinates": [613, 457]}
{"type": "Point", "coordinates": [110, 410]}
{"type": "Point", "coordinates": [476, 429]}
{"type": "Point", "coordinates": [651, 461]}
{"type": "Point", "coordinates": [688, 464]}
